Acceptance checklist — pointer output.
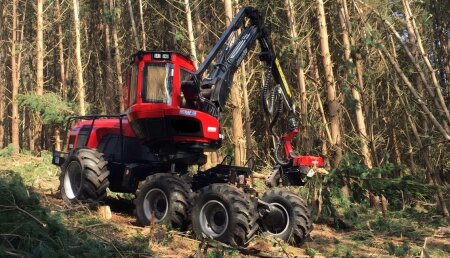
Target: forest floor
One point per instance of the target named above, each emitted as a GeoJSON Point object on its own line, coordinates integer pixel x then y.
{"type": "Point", "coordinates": [35, 222]}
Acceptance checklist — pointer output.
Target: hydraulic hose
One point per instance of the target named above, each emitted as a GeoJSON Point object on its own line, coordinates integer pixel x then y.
{"type": "Point", "coordinates": [273, 106]}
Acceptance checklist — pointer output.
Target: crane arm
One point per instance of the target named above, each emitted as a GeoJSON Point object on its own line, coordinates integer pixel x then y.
{"type": "Point", "coordinates": [211, 91]}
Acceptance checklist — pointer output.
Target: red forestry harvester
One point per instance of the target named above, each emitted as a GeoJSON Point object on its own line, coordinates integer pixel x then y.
{"type": "Point", "coordinates": [172, 118]}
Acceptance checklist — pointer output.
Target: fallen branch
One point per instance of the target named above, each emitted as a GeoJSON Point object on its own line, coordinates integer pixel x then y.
{"type": "Point", "coordinates": [24, 212]}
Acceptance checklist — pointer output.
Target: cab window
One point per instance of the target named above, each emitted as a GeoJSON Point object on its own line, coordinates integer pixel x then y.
{"type": "Point", "coordinates": [133, 85]}
{"type": "Point", "coordinates": [157, 84]}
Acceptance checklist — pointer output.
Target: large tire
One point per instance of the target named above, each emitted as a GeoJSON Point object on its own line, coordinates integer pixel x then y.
{"type": "Point", "coordinates": [84, 176]}
{"type": "Point", "coordinates": [165, 196]}
{"type": "Point", "coordinates": [223, 213]}
{"type": "Point", "coordinates": [291, 218]}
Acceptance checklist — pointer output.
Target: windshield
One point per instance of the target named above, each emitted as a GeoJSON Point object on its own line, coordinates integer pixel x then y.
{"type": "Point", "coordinates": [157, 84]}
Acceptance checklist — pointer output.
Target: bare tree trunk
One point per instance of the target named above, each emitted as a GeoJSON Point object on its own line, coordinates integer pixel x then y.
{"type": "Point", "coordinates": [40, 52]}
{"type": "Point", "coordinates": [141, 15]}
{"type": "Point", "coordinates": [117, 58]}
{"type": "Point", "coordinates": [133, 24]}
{"type": "Point", "coordinates": [3, 75]}
{"type": "Point", "coordinates": [15, 81]}
{"type": "Point", "coordinates": [63, 85]}
{"type": "Point", "coordinates": [190, 28]}
{"type": "Point", "coordinates": [80, 82]}
{"type": "Point", "coordinates": [109, 83]}
{"type": "Point", "coordinates": [301, 84]}
{"type": "Point", "coordinates": [333, 103]}
{"type": "Point", "coordinates": [238, 134]}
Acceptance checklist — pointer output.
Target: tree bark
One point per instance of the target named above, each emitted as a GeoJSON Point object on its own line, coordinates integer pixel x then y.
{"type": "Point", "coordinates": [15, 81]}
{"type": "Point", "coordinates": [79, 68]}
{"type": "Point", "coordinates": [62, 70]}
{"type": "Point", "coordinates": [301, 84]}
{"type": "Point", "coordinates": [348, 43]}
{"type": "Point", "coordinates": [36, 124]}
{"type": "Point", "coordinates": [109, 83]}
{"type": "Point", "coordinates": [133, 24]}
{"type": "Point", "coordinates": [40, 52]}
{"type": "Point", "coordinates": [190, 28]}
{"type": "Point", "coordinates": [238, 134]}
{"type": "Point", "coordinates": [117, 58]}
{"type": "Point", "coordinates": [333, 103]}
{"type": "Point", "coordinates": [141, 15]}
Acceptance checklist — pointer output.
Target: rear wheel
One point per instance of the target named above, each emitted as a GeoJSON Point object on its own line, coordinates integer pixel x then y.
{"type": "Point", "coordinates": [163, 198]}
{"type": "Point", "coordinates": [84, 176]}
{"type": "Point", "coordinates": [224, 213]}
{"type": "Point", "coordinates": [290, 218]}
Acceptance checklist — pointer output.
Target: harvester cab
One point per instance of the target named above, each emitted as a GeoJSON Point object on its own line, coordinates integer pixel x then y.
{"type": "Point", "coordinates": [157, 109]}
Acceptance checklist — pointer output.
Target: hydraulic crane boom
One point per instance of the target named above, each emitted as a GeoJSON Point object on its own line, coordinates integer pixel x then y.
{"type": "Point", "coordinates": [211, 92]}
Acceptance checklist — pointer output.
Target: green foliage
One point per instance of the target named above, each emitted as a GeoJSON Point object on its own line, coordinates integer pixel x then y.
{"type": "Point", "coordinates": [311, 252]}
{"type": "Point", "coordinates": [51, 108]}
{"type": "Point", "coordinates": [8, 151]}
{"type": "Point", "coordinates": [215, 254]}
{"type": "Point", "coordinates": [179, 36]}
{"type": "Point", "coordinates": [400, 250]}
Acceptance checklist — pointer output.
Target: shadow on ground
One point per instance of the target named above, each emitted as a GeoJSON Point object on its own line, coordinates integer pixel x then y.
{"type": "Point", "coordinates": [28, 229]}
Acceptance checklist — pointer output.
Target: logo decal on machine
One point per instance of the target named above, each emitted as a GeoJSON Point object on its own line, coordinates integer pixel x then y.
{"type": "Point", "coordinates": [212, 129]}
{"type": "Point", "coordinates": [187, 112]}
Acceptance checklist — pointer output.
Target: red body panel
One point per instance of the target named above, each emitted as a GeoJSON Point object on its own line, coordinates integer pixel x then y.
{"type": "Point", "coordinates": [309, 161]}
{"type": "Point", "coordinates": [209, 124]}
{"type": "Point", "coordinates": [101, 128]}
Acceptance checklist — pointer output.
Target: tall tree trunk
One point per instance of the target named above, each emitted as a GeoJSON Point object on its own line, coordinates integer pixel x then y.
{"type": "Point", "coordinates": [133, 24]}
{"type": "Point", "coordinates": [141, 15]}
{"type": "Point", "coordinates": [109, 83]}
{"type": "Point", "coordinates": [40, 52]}
{"type": "Point", "coordinates": [301, 84]}
{"type": "Point", "coordinates": [333, 103]}
{"type": "Point", "coordinates": [79, 70]}
{"type": "Point", "coordinates": [62, 70]}
{"type": "Point", "coordinates": [348, 43]}
{"type": "Point", "coordinates": [40, 48]}
{"type": "Point", "coordinates": [2, 95]}
{"type": "Point", "coordinates": [117, 57]}
{"type": "Point", "coordinates": [3, 75]}
{"type": "Point", "coordinates": [238, 134]}
{"type": "Point", "coordinates": [15, 81]}
{"type": "Point", "coordinates": [190, 28]}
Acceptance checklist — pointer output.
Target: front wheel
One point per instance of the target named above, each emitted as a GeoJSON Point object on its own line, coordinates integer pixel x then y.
{"type": "Point", "coordinates": [163, 198]}
{"type": "Point", "coordinates": [84, 176]}
{"type": "Point", "coordinates": [224, 213]}
{"type": "Point", "coordinates": [289, 219]}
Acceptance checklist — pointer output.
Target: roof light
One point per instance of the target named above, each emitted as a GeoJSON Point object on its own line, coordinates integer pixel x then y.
{"type": "Point", "coordinates": [163, 56]}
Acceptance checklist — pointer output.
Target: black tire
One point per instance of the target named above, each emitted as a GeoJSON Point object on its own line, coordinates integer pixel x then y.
{"type": "Point", "coordinates": [291, 219]}
{"type": "Point", "coordinates": [84, 176]}
{"type": "Point", "coordinates": [217, 202]}
{"type": "Point", "coordinates": [167, 197]}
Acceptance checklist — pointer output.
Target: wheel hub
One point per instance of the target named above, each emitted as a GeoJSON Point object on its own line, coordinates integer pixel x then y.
{"type": "Point", "coordinates": [72, 179]}
{"type": "Point", "coordinates": [277, 221]}
{"type": "Point", "coordinates": [213, 218]}
{"type": "Point", "coordinates": [156, 204]}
